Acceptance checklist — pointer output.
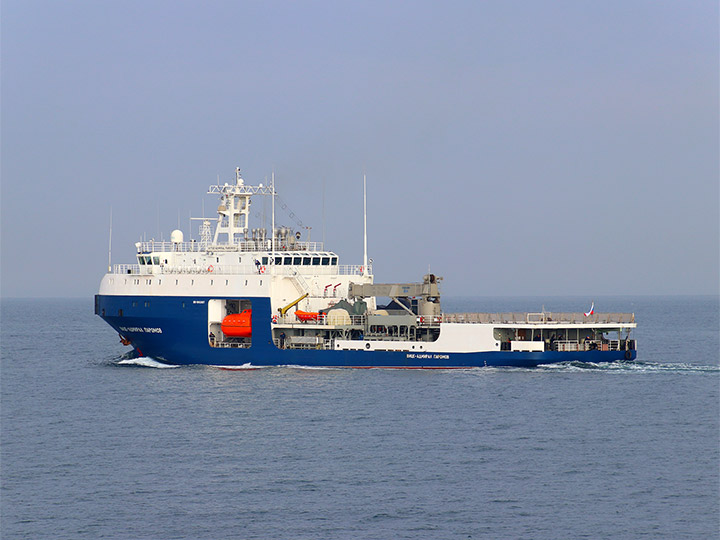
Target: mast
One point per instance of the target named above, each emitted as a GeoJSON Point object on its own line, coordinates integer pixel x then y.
{"type": "Point", "coordinates": [272, 232]}
{"type": "Point", "coordinates": [365, 257]}
{"type": "Point", "coordinates": [234, 208]}
{"type": "Point", "coordinates": [110, 244]}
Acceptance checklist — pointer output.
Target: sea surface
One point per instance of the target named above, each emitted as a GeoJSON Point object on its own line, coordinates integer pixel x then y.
{"type": "Point", "coordinates": [93, 446]}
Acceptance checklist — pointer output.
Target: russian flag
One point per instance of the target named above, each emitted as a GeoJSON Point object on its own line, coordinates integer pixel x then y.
{"type": "Point", "coordinates": [592, 310]}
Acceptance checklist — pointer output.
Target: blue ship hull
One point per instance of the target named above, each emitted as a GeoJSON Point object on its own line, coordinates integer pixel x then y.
{"type": "Point", "coordinates": [174, 330]}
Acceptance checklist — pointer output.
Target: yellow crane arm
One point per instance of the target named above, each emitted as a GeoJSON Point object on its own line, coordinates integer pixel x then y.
{"type": "Point", "coordinates": [284, 310]}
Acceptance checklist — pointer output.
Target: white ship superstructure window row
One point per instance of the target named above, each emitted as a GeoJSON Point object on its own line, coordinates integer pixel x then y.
{"type": "Point", "coordinates": [316, 259]}
{"type": "Point", "coordinates": [319, 259]}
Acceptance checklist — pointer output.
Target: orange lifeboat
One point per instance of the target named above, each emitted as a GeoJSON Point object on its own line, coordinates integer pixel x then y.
{"type": "Point", "coordinates": [305, 316]}
{"type": "Point", "coordinates": [238, 324]}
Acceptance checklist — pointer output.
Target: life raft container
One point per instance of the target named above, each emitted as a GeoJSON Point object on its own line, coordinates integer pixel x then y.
{"type": "Point", "coordinates": [238, 324]}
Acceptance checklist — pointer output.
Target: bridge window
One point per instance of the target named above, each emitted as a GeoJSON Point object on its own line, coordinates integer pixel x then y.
{"type": "Point", "coordinates": [264, 261]}
{"type": "Point", "coordinates": [325, 261]}
{"type": "Point", "coordinates": [306, 261]}
{"type": "Point", "coordinates": [297, 261]}
{"type": "Point", "coordinates": [156, 260]}
{"type": "Point", "coordinates": [278, 260]}
{"type": "Point", "coordinates": [316, 261]}
{"type": "Point", "coordinates": [288, 261]}
{"type": "Point", "coordinates": [334, 261]}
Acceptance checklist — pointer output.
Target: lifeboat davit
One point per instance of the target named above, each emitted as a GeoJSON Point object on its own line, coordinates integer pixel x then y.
{"type": "Point", "coordinates": [238, 324]}
{"type": "Point", "coordinates": [304, 316]}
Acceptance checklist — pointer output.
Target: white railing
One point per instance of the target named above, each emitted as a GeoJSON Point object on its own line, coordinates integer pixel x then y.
{"type": "Point", "coordinates": [540, 318]}
{"type": "Point", "coordinates": [354, 270]}
{"type": "Point", "coordinates": [328, 270]}
{"type": "Point", "coordinates": [322, 320]}
{"type": "Point", "coordinates": [126, 269]}
{"type": "Point", "coordinates": [237, 269]}
{"type": "Point", "coordinates": [593, 344]}
{"type": "Point", "coordinates": [152, 245]}
{"type": "Point", "coordinates": [231, 345]}
{"type": "Point", "coordinates": [225, 269]}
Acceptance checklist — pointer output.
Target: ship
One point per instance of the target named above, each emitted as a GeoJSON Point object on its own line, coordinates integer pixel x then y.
{"type": "Point", "coordinates": [239, 296]}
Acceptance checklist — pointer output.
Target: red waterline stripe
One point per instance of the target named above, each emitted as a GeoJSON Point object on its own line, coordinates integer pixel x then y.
{"type": "Point", "coordinates": [408, 367]}
{"type": "Point", "coordinates": [254, 368]}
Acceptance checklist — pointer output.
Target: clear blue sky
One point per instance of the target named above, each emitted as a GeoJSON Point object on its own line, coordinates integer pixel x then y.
{"type": "Point", "coordinates": [516, 147]}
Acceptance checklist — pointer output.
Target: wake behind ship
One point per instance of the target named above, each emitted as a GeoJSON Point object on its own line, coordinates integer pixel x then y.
{"type": "Point", "coordinates": [245, 296]}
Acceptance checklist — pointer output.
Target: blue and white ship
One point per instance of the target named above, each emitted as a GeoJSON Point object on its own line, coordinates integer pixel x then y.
{"type": "Point", "coordinates": [241, 296]}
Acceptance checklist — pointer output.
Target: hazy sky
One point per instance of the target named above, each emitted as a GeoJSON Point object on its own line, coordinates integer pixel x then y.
{"type": "Point", "coordinates": [515, 147]}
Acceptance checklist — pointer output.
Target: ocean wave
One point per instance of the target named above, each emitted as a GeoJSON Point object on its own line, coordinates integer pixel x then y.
{"type": "Point", "coordinates": [630, 367]}
{"type": "Point", "coordinates": [562, 367]}
{"type": "Point", "coordinates": [145, 361]}
{"type": "Point", "coordinates": [244, 367]}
